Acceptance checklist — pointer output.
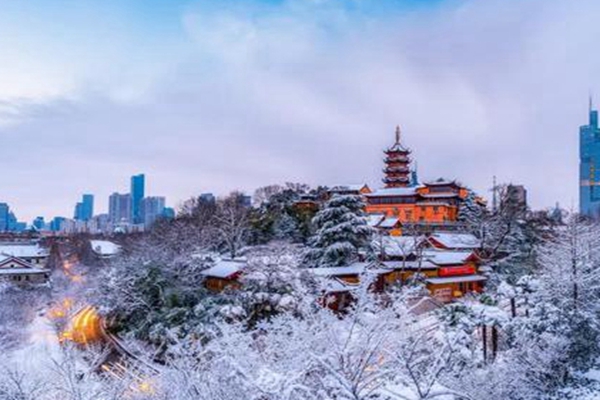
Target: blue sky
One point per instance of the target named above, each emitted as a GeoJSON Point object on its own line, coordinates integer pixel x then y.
{"type": "Point", "coordinates": [216, 96]}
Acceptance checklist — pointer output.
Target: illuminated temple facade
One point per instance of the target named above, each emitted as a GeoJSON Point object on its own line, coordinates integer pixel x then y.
{"type": "Point", "coordinates": [403, 201]}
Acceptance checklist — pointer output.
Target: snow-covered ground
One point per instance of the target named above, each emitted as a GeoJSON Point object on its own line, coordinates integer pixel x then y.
{"type": "Point", "coordinates": [42, 345]}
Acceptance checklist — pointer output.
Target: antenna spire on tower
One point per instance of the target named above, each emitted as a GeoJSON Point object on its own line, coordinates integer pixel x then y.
{"type": "Point", "coordinates": [397, 133]}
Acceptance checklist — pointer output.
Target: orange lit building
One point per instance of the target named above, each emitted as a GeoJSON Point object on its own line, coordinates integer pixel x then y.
{"type": "Point", "coordinates": [432, 204]}
{"type": "Point", "coordinates": [224, 274]}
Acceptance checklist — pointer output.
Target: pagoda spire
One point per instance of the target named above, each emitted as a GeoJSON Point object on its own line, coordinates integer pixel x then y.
{"type": "Point", "coordinates": [397, 164]}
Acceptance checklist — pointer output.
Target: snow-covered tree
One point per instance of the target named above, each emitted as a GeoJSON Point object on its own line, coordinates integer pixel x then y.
{"type": "Point", "coordinates": [272, 283]}
{"type": "Point", "coordinates": [472, 214]}
{"type": "Point", "coordinates": [231, 223]}
{"type": "Point", "coordinates": [341, 232]}
{"type": "Point", "coordinates": [570, 286]}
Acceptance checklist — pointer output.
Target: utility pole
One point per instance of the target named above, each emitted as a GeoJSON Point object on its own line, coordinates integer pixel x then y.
{"type": "Point", "coordinates": [494, 194]}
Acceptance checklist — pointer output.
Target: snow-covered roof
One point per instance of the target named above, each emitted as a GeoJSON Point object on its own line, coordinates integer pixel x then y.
{"type": "Point", "coordinates": [348, 188]}
{"type": "Point", "coordinates": [456, 240]}
{"type": "Point", "coordinates": [23, 250]}
{"type": "Point", "coordinates": [21, 271]}
{"type": "Point", "coordinates": [374, 219]}
{"type": "Point", "coordinates": [438, 203]}
{"type": "Point", "coordinates": [388, 223]}
{"type": "Point", "coordinates": [397, 246]}
{"type": "Point", "coordinates": [4, 260]}
{"type": "Point", "coordinates": [352, 269]}
{"type": "Point", "coordinates": [105, 248]}
{"type": "Point", "coordinates": [456, 279]}
{"type": "Point", "coordinates": [447, 257]}
{"type": "Point", "coordinates": [441, 182]}
{"type": "Point", "coordinates": [486, 269]}
{"type": "Point", "coordinates": [409, 265]}
{"type": "Point", "coordinates": [438, 195]}
{"type": "Point", "coordinates": [224, 268]}
{"type": "Point", "coordinates": [335, 285]}
{"type": "Point", "coordinates": [400, 191]}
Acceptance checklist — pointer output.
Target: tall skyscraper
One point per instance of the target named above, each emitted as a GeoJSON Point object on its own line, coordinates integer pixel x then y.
{"type": "Point", "coordinates": [152, 208]}
{"type": "Point", "coordinates": [589, 166]}
{"type": "Point", "coordinates": [12, 222]}
{"type": "Point", "coordinates": [87, 209]}
{"type": "Point", "coordinates": [137, 194]}
{"type": "Point", "coordinates": [119, 208]}
{"type": "Point", "coordinates": [4, 217]}
{"type": "Point", "coordinates": [84, 210]}
{"type": "Point", "coordinates": [77, 214]}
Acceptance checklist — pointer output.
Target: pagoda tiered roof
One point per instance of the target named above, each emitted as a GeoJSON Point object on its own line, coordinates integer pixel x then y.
{"type": "Point", "coordinates": [391, 169]}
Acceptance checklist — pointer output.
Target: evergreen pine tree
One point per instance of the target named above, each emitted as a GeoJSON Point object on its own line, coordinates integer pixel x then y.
{"type": "Point", "coordinates": [286, 227]}
{"type": "Point", "coordinates": [341, 232]}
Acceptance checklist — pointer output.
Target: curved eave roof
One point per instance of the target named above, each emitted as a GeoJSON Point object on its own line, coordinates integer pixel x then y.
{"type": "Point", "coordinates": [398, 147]}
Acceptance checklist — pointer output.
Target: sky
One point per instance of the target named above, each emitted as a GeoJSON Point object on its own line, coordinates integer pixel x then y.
{"type": "Point", "coordinates": [215, 96]}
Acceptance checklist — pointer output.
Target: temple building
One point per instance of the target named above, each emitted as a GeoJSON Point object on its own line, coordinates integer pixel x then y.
{"type": "Point", "coordinates": [397, 165]}
{"type": "Point", "coordinates": [404, 201]}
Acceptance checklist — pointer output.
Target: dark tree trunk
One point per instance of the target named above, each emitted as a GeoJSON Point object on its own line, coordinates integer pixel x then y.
{"type": "Point", "coordinates": [513, 307]}
{"type": "Point", "coordinates": [484, 338]}
{"type": "Point", "coordinates": [494, 342]}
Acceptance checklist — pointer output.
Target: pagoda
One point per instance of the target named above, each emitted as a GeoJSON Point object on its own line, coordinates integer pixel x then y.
{"type": "Point", "coordinates": [397, 160]}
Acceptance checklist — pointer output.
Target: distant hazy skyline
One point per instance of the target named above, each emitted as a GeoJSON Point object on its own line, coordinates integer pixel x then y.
{"type": "Point", "coordinates": [222, 95]}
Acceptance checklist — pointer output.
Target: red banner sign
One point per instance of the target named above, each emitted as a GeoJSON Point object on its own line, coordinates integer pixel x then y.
{"type": "Point", "coordinates": [454, 271]}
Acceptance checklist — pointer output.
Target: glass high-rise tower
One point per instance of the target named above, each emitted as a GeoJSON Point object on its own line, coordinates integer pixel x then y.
{"type": "Point", "coordinates": [589, 166]}
{"type": "Point", "coordinates": [137, 194]}
{"type": "Point", "coordinates": [84, 210]}
{"type": "Point", "coordinates": [87, 207]}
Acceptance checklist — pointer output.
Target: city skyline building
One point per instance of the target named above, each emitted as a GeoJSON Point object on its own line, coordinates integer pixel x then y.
{"type": "Point", "coordinates": [208, 197]}
{"type": "Point", "coordinates": [84, 210]}
{"type": "Point", "coordinates": [152, 208]}
{"type": "Point", "coordinates": [137, 195]}
{"type": "Point", "coordinates": [87, 209]}
{"type": "Point", "coordinates": [56, 223]}
{"type": "Point", "coordinates": [589, 164]}
{"type": "Point", "coordinates": [13, 224]}
{"type": "Point", "coordinates": [119, 207]}
{"type": "Point", "coordinates": [4, 217]}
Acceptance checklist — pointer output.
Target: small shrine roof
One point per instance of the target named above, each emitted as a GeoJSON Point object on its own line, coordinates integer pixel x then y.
{"type": "Point", "coordinates": [348, 188]}
{"type": "Point", "coordinates": [388, 222]}
{"type": "Point", "coordinates": [23, 250]}
{"type": "Point", "coordinates": [442, 257]}
{"type": "Point", "coordinates": [375, 219]}
{"type": "Point", "coordinates": [398, 246]}
{"type": "Point", "coordinates": [224, 268]}
{"type": "Point", "coordinates": [352, 269]}
{"type": "Point", "coordinates": [335, 285]}
{"type": "Point", "coordinates": [21, 271]}
{"type": "Point", "coordinates": [456, 240]}
{"type": "Point", "coordinates": [409, 265]}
